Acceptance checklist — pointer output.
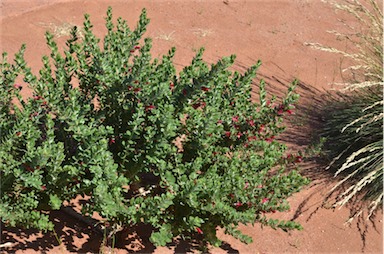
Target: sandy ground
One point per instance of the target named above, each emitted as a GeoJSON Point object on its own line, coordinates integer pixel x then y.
{"type": "Point", "coordinates": [274, 31]}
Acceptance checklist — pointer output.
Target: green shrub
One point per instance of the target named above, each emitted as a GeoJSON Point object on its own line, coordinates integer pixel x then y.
{"type": "Point", "coordinates": [185, 153]}
{"type": "Point", "coordinates": [354, 120]}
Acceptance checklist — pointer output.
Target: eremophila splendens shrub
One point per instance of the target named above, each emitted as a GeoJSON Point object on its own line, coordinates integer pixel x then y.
{"type": "Point", "coordinates": [184, 152]}
{"type": "Point", "coordinates": [355, 125]}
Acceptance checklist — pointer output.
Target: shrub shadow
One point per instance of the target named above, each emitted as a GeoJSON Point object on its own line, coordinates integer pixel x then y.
{"type": "Point", "coordinates": [67, 229]}
{"type": "Point", "coordinates": [304, 130]}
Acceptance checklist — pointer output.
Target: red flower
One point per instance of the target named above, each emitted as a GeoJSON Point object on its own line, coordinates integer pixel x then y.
{"type": "Point", "coordinates": [270, 139]}
{"type": "Point", "coordinates": [251, 123]}
{"type": "Point", "coordinates": [137, 47]}
{"type": "Point", "coordinates": [36, 97]}
{"type": "Point", "coordinates": [18, 133]}
{"type": "Point", "coordinates": [259, 186]}
{"type": "Point", "coordinates": [150, 107]}
{"type": "Point", "coordinates": [17, 86]}
{"type": "Point", "coordinates": [205, 89]}
{"type": "Point", "coordinates": [238, 204]}
{"type": "Point", "coordinates": [172, 86]}
{"type": "Point", "coordinates": [112, 141]}
{"type": "Point", "coordinates": [251, 138]}
{"type": "Point", "coordinates": [28, 168]}
{"type": "Point", "coordinates": [132, 51]}
{"type": "Point", "coordinates": [299, 159]}
{"type": "Point", "coordinates": [261, 128]}
{"type": "Point", "coordinates": [184, 92]}
{"type": "Point", "coordinates": [137, 90]}
{"type": "Point", "coordinates": [264, 200]}
{"type": "Point", "coordinates": [280, 109]}
{"type": "Point", "coordinates": [246, 185]}
{"type": "Point", "coordinates": [199, 230]}
{"type": "Point", "coordinates": [43, 188]}
{"type": "Point", "coordinates": [239, 134]}
{"type": "Point", "coordinates": [196, 105]}
{"type": "Point", "coordinates": [290, 111]}
{"type": "Point", "coordinates": [235, 119]}
{"type": "Point", "coordinates": [227, 134]}
{"type": "Point", "coordinates": [199, 104]}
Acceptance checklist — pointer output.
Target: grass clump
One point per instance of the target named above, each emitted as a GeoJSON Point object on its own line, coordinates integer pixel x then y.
{"type": "Point", "coordinates": [354, 119]}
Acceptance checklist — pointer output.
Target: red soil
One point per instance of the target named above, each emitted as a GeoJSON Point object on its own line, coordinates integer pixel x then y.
{"type": "Point", "coordinates": [273, 31]}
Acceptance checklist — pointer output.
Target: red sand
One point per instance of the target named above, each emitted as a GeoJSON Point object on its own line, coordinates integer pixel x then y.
{"type": "Point", "coordinates": [273, 31]}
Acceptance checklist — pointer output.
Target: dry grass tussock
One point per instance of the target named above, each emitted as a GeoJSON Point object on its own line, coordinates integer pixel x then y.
{"type": "Point", "coordinates": [358, 126]}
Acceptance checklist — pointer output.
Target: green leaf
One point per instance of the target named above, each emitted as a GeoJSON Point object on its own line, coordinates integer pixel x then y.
{"type": "Point", "coordinates": [162, 237]}
{"type": "Point", "coordinates": [55, 202]}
